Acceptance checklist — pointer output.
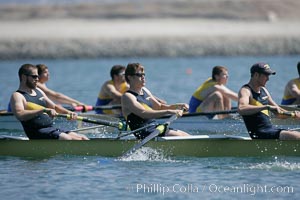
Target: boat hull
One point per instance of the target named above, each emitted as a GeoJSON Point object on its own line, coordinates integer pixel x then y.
{"type": "Point", "coordinates": [192, 146]}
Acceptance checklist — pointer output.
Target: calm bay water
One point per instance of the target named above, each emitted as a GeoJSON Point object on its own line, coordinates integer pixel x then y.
{"type": "Point", "coordinates": [152, 175]}
{"type": "Point", "coordinates": [173, 79]}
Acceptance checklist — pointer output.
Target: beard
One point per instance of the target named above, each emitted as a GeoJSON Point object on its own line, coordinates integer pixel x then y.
{"type": "Point", "coordinates": [31, 85]}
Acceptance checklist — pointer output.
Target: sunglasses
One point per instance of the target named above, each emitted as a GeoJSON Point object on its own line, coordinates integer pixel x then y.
{"type": "Point", "coordinates": [32, 76]}
{"type": "Point", "coordinates": [139, 74]}
{"type": "Point", "coordinates": [225, 75]}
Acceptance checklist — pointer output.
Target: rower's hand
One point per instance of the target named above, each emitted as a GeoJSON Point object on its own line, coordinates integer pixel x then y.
{"type": "Point", "coordinates": [276, 109]}
{"type": "Point", "coordinates": [182, 106]}
{"type": "Point", "coordinates": [284, 113]}
{"type": "Point", "coordinates": [75, 104]}
{"type": "Point", "coordinates": [297, 114]}
{"type": "Point", "coordinates": [178, 113]}
{"type": "Point", "coordinates": [72, 116]}
{"type": "Point", "coordinates": [51, 112]}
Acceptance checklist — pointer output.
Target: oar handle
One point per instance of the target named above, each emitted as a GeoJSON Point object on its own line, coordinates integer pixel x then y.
{"type": "Point", "coordinates": [82, 108]}
{"type": "Point", "coordinates": [79, 108]}
{"type": "Point", "coordinates": [119, 125]}
{"type": "Point", "coordinates": [90, 108]}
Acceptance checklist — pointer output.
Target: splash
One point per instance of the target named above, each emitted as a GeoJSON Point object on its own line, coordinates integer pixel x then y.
{"type": "Point", "coordinates": [277, 166]}
{"type": "Point", "coordinates": [148, 154]}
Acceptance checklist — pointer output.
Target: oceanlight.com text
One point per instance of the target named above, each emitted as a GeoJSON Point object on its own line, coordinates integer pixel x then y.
{"type": "Point", "coordinates": [251, 189]}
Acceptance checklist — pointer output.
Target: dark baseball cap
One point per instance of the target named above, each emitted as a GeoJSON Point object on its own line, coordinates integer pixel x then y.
{"type": "Point", "coordinates": [262, 68]}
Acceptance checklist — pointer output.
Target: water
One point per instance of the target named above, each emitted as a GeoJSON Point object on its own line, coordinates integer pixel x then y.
{"type": "Point", "coordinates": [160, 178]}
{"type": "Point", "coordinates": [151, 175]}
{"type": "Point", "coordinates": [173, 79]}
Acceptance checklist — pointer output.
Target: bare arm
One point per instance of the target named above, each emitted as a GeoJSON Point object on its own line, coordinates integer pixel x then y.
{"type": "Point", "coordinates": [58, 97]}
{"type": "Point", "coordinates": [158, 105]}
{"type": "Point", "coordinates": [244, 107]}
{"type": "Point", "coordinates": [293, 89]}
{"type": "Point", "coordinates": [160, 100]}
{"type": "Point", "coordinates": [19, 107]}
{"type": "Point", "coordinates": [113, 92]}
{"type": "Point", "coordinates": [21, 110]}
{"type": "Point", "coordinates": [227, 92]}
{"type": "Point", "coordinates": [274, 107]}
{"type": "Point", "coordinates": [54, 108]}
{"type": "Point", "coordinates": [18, 104]}
{"type": "Point", "coordinates": [131, 105]}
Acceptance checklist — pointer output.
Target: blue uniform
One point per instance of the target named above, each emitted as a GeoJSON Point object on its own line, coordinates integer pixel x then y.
{"type": "Point", "coordinates": [197, 97]}
{"type": "Point", "coordinates": [259, 125]}
{"type": "Point", "coordinates": [103, 100]}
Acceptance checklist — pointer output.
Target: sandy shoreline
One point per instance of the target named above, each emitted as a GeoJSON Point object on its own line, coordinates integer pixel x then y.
{"type": "Point", "coordinates": [142, 28]}
{"type": "Point", "coordinates": [86, 38]}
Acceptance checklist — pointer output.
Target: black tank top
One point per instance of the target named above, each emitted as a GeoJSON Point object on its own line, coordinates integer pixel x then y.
{"type": "Point", "coordinates": [260, 120]}
{"type": "Point", "coordinates": [135, 121]}
{"type": "Point", "coordinates": [41, 120]}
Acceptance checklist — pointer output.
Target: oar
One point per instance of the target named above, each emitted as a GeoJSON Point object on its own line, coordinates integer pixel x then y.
{"type": "Point", "coordinates": [159, 129]}
{"type": "Point", "coordinates": [288, 113]}
{"type": "Point", "coordinates": [89, 108]}
{"type": "Point", "coordinates": [221, 112]}
{"type": "Point", "coordinates": [101, 116]}
{"type": "Point", "coordinates": [294, 129]}
{"type": "Point", "coordinates": [208, 113]}
{"type": "Point", "coordinates": [5, 113]}
{"type": "Point", "coordinates": [119, 125]}
{"type": "Point", "coordinates": [88, 128]}
{"type": "Point", "coordinates": [291, 107]}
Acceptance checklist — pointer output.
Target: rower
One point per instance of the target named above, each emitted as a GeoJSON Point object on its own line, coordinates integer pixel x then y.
{"type": "Point", "coordinates": [57, 97]}
{"type": "Point", "coordinates": [112, 90]}
{"type": "Point", "coordinates": [140, 107]}
{"type": "Point", "coordinates": [35, 110]}
{"type": "Point", "coordinates": [213, 95]}
{"type": "Point", "coordinates": [255, 104]}
{"type": "Point", "coordinates": [291, 94]}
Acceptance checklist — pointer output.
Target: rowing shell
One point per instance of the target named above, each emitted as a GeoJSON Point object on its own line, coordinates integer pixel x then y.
{"type": "Point", "coordinates": [191, 146]}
